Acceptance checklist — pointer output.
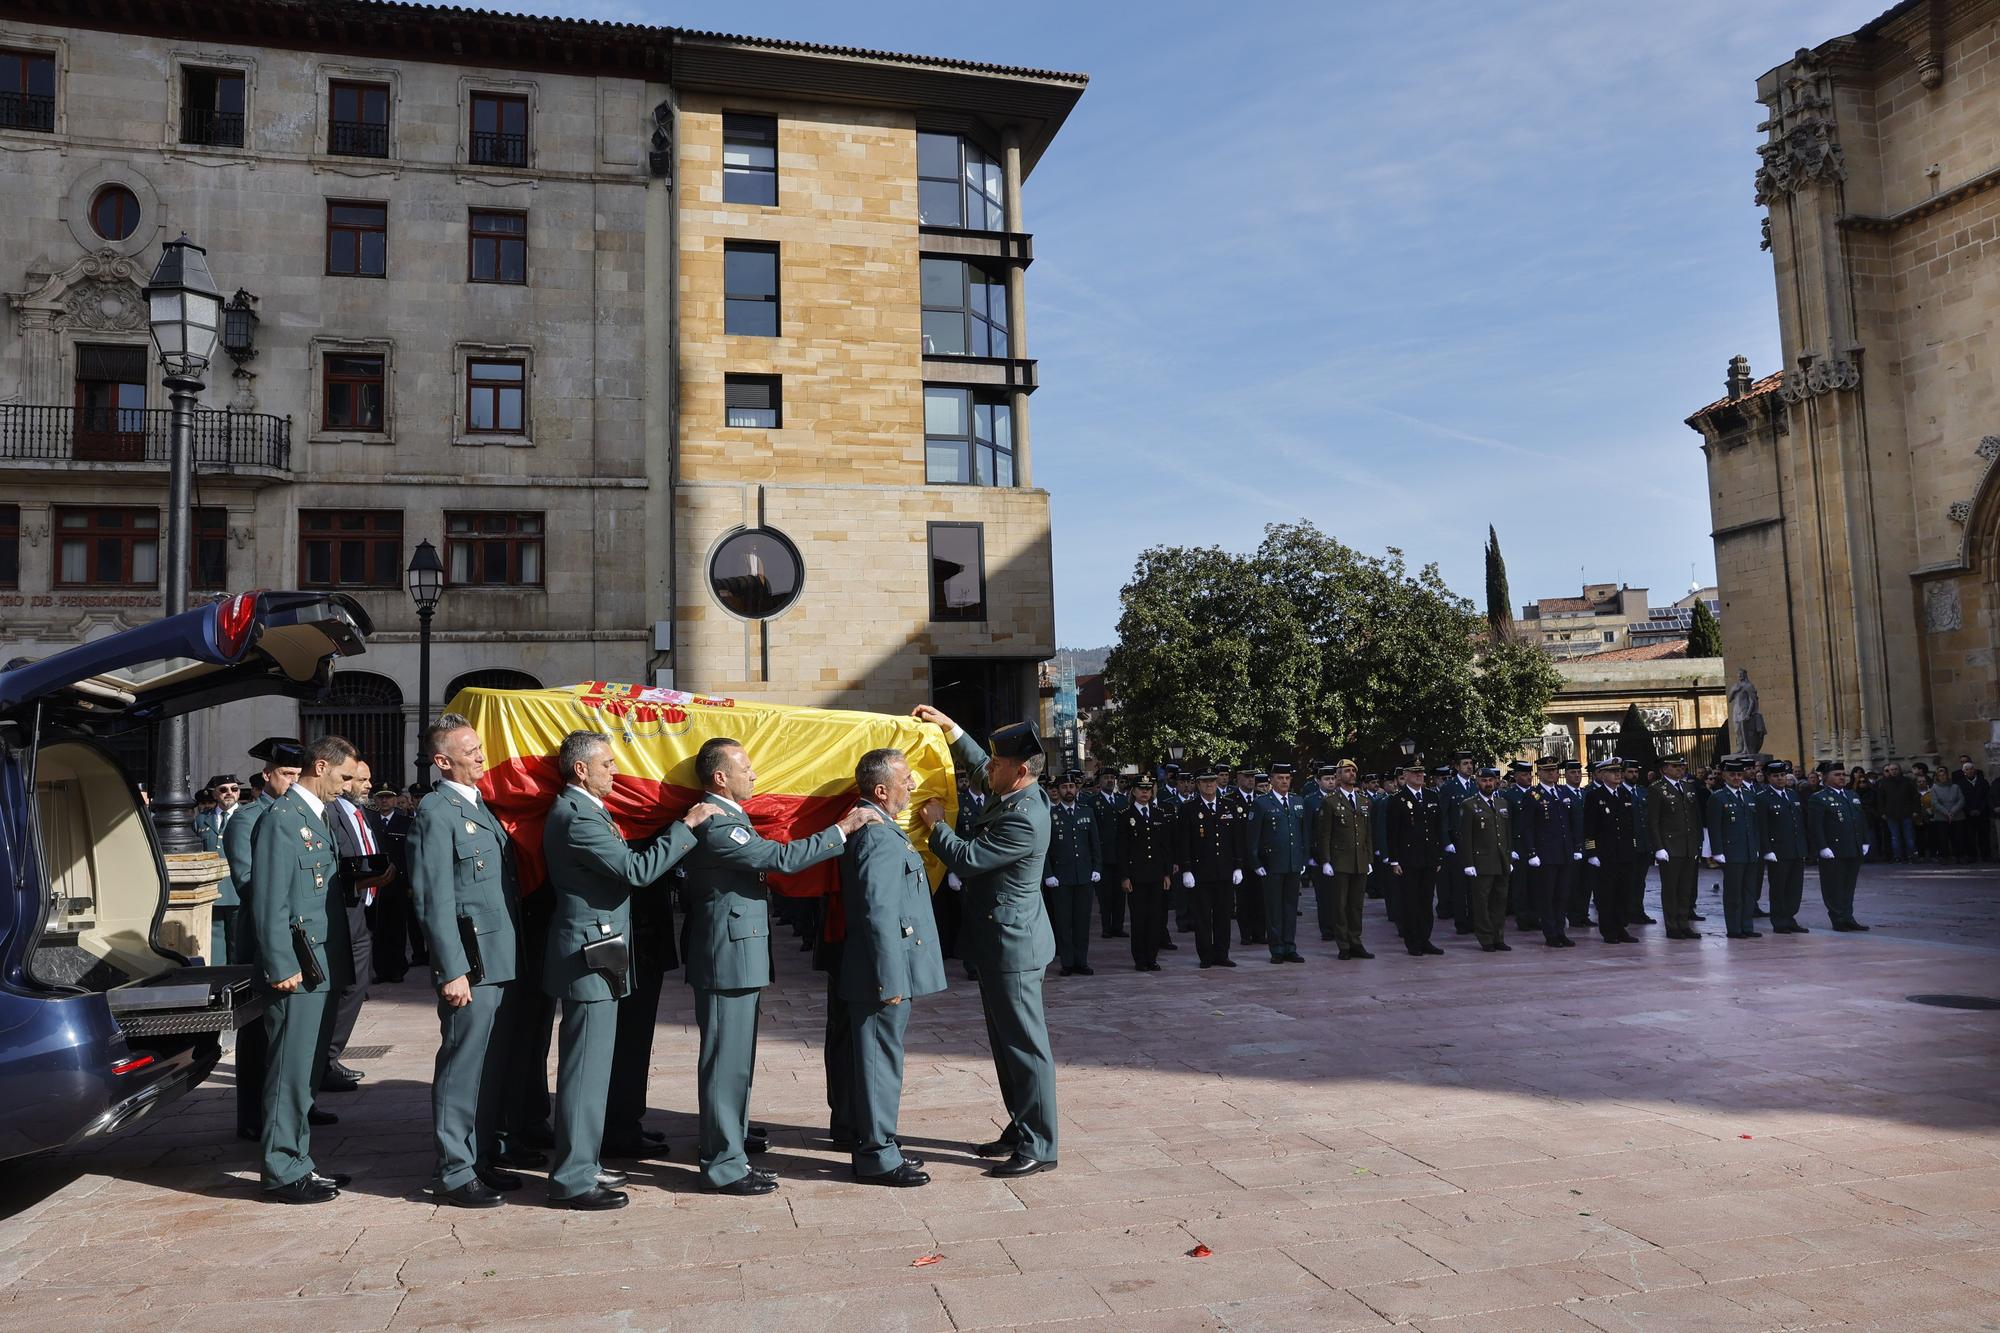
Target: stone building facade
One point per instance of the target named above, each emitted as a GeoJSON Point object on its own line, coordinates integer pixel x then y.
{"type": "Point", "coordinates": [1854, 492]}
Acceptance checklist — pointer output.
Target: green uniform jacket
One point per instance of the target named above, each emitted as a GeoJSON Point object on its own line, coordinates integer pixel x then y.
{"type": "Point", "coordinates": [1486, 835]}
{"type": "Point", "coordinates": [729, 905]}
{"type": "Point", "coordinates": [461, 866]}
{"type": "Point", "coordinates": [892, 946]}
{"type": "Point", "coordinates": [1735, 830]}
{"type": "Point", "coordinates": [1280, 834]}
{"type": "Point", "coordinates": [593, 872]}
{"type": "Point", "coordinates": [208, 824]}
{"type": "Point", "coordinates": [236, 843]}
{"type": "Point", "coordinates": [1344, 835]}
{"type": "Point", "coordinates": [1073, 852]}
{"type": "Point", "coordinates": [1785, 824]}
{"type": "Point", "coordinates": [1675, 819]}
{"type": "Point", "coordinates": [296, 870]}
{"type": "Point", "coordinates": [1006, 926]}
{"type": "Point", "coordinates": [1836, 820]}
{"type": "Point", "coordinates": [1106, 809]}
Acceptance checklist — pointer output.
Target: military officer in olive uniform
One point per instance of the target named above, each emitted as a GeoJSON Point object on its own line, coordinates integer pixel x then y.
{"type": "Point", "coordinates": [1612, 847]}
{"type": "Point", "coordinates": [1146, 839]}
{"type": "Point", "coordinates": [299, 917]}
{"type": "Point", "coordinates": [1675, 825]}
{"type": "Point", "coordinates": [1211, 845]}
{"type": "Point", "coordinates": [593, 873]}
{"type": "Point", "coordinates": [1105, 806]}
{"type": "Point", "coordinates": [1486, 846]}
{"type": "Point", "coordinates": [1785, 849]}
{"type": "Point", "coordinates": [889, 958]}
{"type": "Point", "coordinates": [1838, 829]}
{"type": "Point", "coordinates": [1736, 841]}
{"type": "Point", "coordinates": [729, 950]}
{"type": "Point", "coordinates": [1553, 826]}
{"type": "Point", "coordinates": [1006, 935]}
{"type": "Point", "coordinates": [1280, 843]}
{"type": "Point", "coordinates": [1071, 864]}
{"type": "Point", "coordinates": [1343, 843]}
{"type": "Point", "coordinates": [463, 887]}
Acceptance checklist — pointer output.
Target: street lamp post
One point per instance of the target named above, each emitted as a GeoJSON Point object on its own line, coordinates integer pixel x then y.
{"type": "Point", "coordinates": [184, 310]}
{"type": "Point", "coordinates": [426, 573]}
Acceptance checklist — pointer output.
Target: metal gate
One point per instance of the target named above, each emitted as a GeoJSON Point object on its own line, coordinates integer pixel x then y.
{"type": "Point", "coordinates": [368, 710]}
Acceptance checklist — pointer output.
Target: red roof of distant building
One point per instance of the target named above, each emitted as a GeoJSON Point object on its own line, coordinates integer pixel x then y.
{"type": "Point", "coordinates": [1769, 384]}
{"type": "Point", "coordinates": [1647, 652]}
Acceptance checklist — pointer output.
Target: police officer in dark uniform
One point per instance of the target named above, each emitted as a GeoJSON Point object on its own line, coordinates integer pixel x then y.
{"type": "Point", "coordinates": [1414, 829]}
{"type": "Point", "coordinates": [1520, 896]}
{"type": "Point", "coordinates": [1548, 810]}
{"type": "Point", "coordinates": [1611, 847]}
{"type": "Point", "coordinates": [1146, 840]}
{"type": "Point", "coordinates": [1785, 846]}
{"type": "Point", "coordinates": [1582, 878]}
{"type": "Point", "coordinates": [1210, 845]}
{"type": "Point", "coordinates": [1452, 792]}
{"type": "Point", "coordinates": [1249, 902]}
{"type": "Point", "coordinates": [1105, 806]}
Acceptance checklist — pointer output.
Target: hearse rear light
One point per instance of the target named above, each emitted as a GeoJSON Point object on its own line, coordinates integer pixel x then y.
{"type": "Point", "coordinates": [137, 1062]}
{"type": "Point", "coordinates": [232, 623]}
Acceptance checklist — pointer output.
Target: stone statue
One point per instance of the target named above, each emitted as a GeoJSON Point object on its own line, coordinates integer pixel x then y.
{"type": "Point", "coordinates": [1746, 724]}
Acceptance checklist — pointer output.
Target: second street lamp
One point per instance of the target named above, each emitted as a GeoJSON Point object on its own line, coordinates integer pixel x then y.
{"type": "Point", "coordinates": [426, 574]}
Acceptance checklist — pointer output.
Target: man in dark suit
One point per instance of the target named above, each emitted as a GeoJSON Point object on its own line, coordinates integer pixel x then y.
{"type": "Point", "coordinates": [1414, 826]}
{"type": "Point", "coordinates": [358, 836]}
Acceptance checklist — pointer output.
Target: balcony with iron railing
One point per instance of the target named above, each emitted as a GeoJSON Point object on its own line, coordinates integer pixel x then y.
{"type": "Point", "coordinates": [216, 129]}
{"type": "Point", "coordinates": [254, 446]}
{"type": "Point", "coordinates": [357, 138]}
{"type": "Point", "coordinates": [27, 111]}
{"type": "Point", "coordinates": [499, 150]}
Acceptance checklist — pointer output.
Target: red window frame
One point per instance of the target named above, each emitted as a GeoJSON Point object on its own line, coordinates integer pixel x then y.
{"type": "Point", "coordinates": [354, 234]}
{"type": "Point", "coordinates": [494, 550]}
{"type": "Point", "coordinates": [125, 535]}
{"type": "Point", "coordinates": [331, 532]}
{"type": "Point", "coordinates": [339, 370]}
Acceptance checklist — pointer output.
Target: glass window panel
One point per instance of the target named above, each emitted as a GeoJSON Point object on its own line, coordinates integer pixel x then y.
{"type": "Point", "coordinates": [982, 421]}
{"type": "Point", "coordinates": [371, 405]}
{"type": "Point", "coordinates": [482, 410]}
{"type": "Point", "coordinates": [353, 562]}
{"type": "Point", "coordinates": [937, 155]}
{"type": "Point", "coordinates": [982, 466]}
{"type": "Point", "coordinates": [459, 523]}
{"type": "Point", "coordinates": [75, 560]}
{"type": "Point", "coordinates": [944, 462]}
{"type": "Point", "coordinates": [749, 187]}
{"type": "Point", "coordinates": [145, 562]}
{"type": "Point", "coordinates": [944, 411]}
{"type": "Point", "coordinates": [531, 562]}
{"type": "Point", "coordinates": [513, 261]}
{"type": "Point", "coordinates": [374, 253]}
{"type": "Point", "coordinates": [939, 203]}
{"type": "Point", "coordinates": [75, 521]}
{"type": "Point", "coordinates": [943, 282]}
{"type": "Point", "coordinates": [944, 333]}
{"type": "Point", "coordinates": [461, 562]}
{"type": "Point", "coordinates": [749, 272]}
{"type": "Point", "coordinates": [1003, 426]}
{"type": "Point", "coordinates": [499, 370]}
{"type": "Point", "coordinates": [755, 319]}
{"type": "Point", "coordinates": [1003, 472]}
{"type": "Point", "coordinates": [531, 523]}
{"type": "Point", "coordinates": [510, 409]}
{"type": "Point", "coordinates": [146, 520]}
{"type": "Point", "coordinates": [493, 557]}
{"type": "Point", "coordinates": [753, 417]}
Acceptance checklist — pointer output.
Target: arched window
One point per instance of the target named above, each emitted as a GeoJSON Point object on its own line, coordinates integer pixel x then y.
{"type": "Point", "coordinates": [493, 678]}
{"type": "Point", "coordinates": [368, 710]}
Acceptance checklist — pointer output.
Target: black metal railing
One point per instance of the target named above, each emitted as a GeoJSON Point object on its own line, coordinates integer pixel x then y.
{"type": "Point", "coordinates": [205, 125]}
{"type": "Point", "coordinates": [132, 435]}
{"type": "Point", "coordinates": [27, 111]}
{"type": "Point", "coordinates": [357, 138]}
{"type": "Point", "coordinates": [501, 150]}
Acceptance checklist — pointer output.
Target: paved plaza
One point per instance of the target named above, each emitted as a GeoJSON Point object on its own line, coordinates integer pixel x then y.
{"type": "Point", "coordinates": [1756, 1135]}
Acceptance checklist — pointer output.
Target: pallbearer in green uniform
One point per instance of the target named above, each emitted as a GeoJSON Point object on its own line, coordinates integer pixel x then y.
{"type": "Point", "coordinates": [282, 757]}
{"type": "Point", "coordinates": [1838, 829]}
{"type": "Point", "coordinates": [1785, 849]}
{"type": "Point", "coordinates": [1006, 934]}
{"type": "Point", "coordinates": [729, 951]}
{"type": "Point", "coordinates": [593, 872]}
{"type": "Point", "coordinates": [211, 826]}
{"type": "Point", "coordinates": [1736, 841]}
{"type": "Point", "coordinates": [299, 914]}
{"type": "Point", "coordinates": [890, 957]}
{"type": "Point", "coordinates": [1344, 845]}
{"type": "Point", "coordinates": [1072, 863]}
{"type": "Point", "coordinates": [1675, 826]}
{"type": "Point", "coordinates": [462, 884]}
{"type": "Point", "coordinates": [1486, 848]}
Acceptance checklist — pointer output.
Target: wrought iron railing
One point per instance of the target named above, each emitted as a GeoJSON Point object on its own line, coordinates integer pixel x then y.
{"type": "Point", "coordinates": [27, 111]}
{"type": "Point", "coordinates": [132, 435]}
{"type": "Point", "coordinates": [357, 138]}
{"type": "Point", "coordinates": [205, 125]}
{"type": "Point", "coordinates": [505, 150]}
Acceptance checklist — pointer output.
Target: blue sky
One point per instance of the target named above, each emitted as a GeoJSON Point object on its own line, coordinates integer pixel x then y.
{"type": "Point", "coordinates": [1403, 270]}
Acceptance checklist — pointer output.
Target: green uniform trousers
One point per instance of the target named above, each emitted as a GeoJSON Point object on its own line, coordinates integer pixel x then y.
{"type": "Point", "coordinates": [1281, 913]}
{"type": "Point", "coordinates": [728, 1023]}
{"type": "Point", "coordinates": [465, 1084]}
{"type": "Point", "coordinates": [1018, 1031]}
{"type": "Point", "coordinates": [1340, 900]}
{"type": "Point", "coordinates": [1788, 887]}
{"type": "Point", "coordinates": [1678, 876]}
{"type": "Point", "coordinates": [839, 1058]}
{"type": "Point", "coordinates": [293, 1031]}
{"type": "Point", "coordinates": [583, 1088]}
{"type": "Point", "coordinates": [877, 1087]}
{"type": "Point", "coordinates": [1837, 879]}
{"type": "Point", "coordinates": [222, 931]}
{"type": "Point", "coordinates": [1069, 914]}
{"type": "Point", "coordinates": [1739, 896]}
{"type": "Point", "coordinates": [1486, 895]}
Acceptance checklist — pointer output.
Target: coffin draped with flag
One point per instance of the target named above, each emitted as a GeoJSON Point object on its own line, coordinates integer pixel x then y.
{"type": "Point", "coordinates": [804, 758]}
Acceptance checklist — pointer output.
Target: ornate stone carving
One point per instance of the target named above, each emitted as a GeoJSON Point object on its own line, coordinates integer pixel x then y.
{"type": "Point", "coordinates": [1802, 149]}
{"type": "Point", "coordinates": [240, 534]}
{"type": "Point", "coordinates": [1941, 609]}
{"type": "Point", "coordinates": [1817, 375]}
{"type": "Point", "coordinates": [1960, 511]}
{"type": "Point", "coordinates": [33, 530]}
{"type": "Point", "coordinates": [1989, 448]}
{"type": "Point", "coordinates": [660, 151]}
{"type": "Point", "coordinates": [101, 307]}
{"type": "Point", "coordinates": [1764, 233]}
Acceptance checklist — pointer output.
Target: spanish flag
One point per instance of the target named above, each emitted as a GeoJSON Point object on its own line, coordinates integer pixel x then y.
{"type": "Point", "coordinates": [804, 759]}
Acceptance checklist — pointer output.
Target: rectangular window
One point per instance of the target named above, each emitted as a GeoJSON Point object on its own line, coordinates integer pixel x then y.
{"type": "Point", "coordinates": [208, 554]}
{"type": "Point", "coordinates": [27, 91]}
{"type": "Point", "coordinates": [496, 397]}
{"type": "Point", "coordinates": [749, 159]}
{"type": "Point", "coordinates": [10, 546]}
{"type": "Point", "coordinates": [965, 310]}
{"type": "Point", "coordinates": [110, 403]}
{"type": "Point", "coordinates": [357, 240]}
{"type": "Point", "coordinates": [498, 246]}
{"type": "Point", "coordinates": [353, 391]}
{"type": "Point", "coordinates": [107, 548]}
{"type": "Point", "coordinates": [968, 438]}
{"type": "Point", "coordinates": [350, 548]}
{"type": "Point", "coordinates": [752, 401]}
{"type": "Point", "coordinates": [212, 107]}
{"type": "Point", "coordinates": [958, 571]}
{"type": "Point", "coordinates": [358, 125]}
{"type": "Point", "coordinates": [493, 550]}
{"type": "Point", "coordinates": [499, 130]}
{"type": "Point", "coordinates": [750, 289]}
{"type": "Point", "coordinates": [959, 184]}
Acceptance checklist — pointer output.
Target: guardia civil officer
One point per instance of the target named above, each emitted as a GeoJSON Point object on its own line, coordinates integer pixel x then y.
{"type": "Point", "coordinates": [1212, 847]}
{"type": "Point", "coordinates": [211, 826]}
{"type": "Point", "coordinates": [283, 757]}
{"type": "Point", "coordinates": [1785, 847]}
{"type": "Point", "coordinates": [1102, 798]}
{"type": "Point", "coordinates": [1344, 845]}
{"type": "Point", "coordinates": [1486, 846]}
{"type": "Point", "coordinates": [1548, 809]}
{"type": "Point", "coordinates": [1452, 793]}
{"type": "Point", "coordinates": [1414, 823]}
{"type": "Point", "coordinates": [1006, 935]}
{"type": "Point", "coordinates": [1071, 864]}
{"type": "Point", "coordinates": [1675, 825]}
{"type": "Point", "coordinates": [1281, 838]}
{"type": "Point", "coordinates": [1736, 841]}
{"type": "Point", "coordinates": [463, 885]}
{"type": "Point", "coordinates": [1838, 828]}
{"type": "Point", "coordinates": [1146, 839]}
{"type": "Point", "coordinates": [1635, 903]}
{"type": "Point", "coordinates": [1611, 847]}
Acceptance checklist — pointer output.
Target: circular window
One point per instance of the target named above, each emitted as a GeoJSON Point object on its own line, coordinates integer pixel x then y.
{"type": "Point", "coordinates": [114, 212]}
{"type": "Point", "coordinates": [756, 573]}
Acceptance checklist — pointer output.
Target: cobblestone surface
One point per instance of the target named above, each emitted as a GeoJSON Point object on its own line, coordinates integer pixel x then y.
{"type": "Point", "coordinates": [1755, 1135]}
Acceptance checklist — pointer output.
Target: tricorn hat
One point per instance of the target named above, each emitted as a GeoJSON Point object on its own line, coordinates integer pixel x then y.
{"type": "Point", "coordinates": [280, 752]}
{"type": "Point", "coordinates": [1016, 740]}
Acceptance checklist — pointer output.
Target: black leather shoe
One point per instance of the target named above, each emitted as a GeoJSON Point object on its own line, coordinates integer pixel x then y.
{"type": "Point", "coordinates": [1170, 945]}
{"type": "Point", "coordinates": [474, 1193]}
{"type": "Point", "coordinates": [522, 1157]}
{"type": "Point", "coordinates": [306, 1189]}
{"type": "Point", "coordinates": [1345, 953]}
{"type": "Point", "coordinates": [746, 1187]}
{"type": "Point", "coordinates": [762, 1174]}
{"type": "Point", "coordinates": [340, 1180]}
{"type": "Point", "coordinates": [1360, 952]}
{"type": "Point", "coordinates": [1432, 950]}
{"type": "Point", "coordinates": [506, 1182]}
{"type": "Point", "coordinates": [1278, 958]}
{"type": "Point", "coordinates": [1066, 972]}
{"type": "Point", "coordinates": [1753, 934]}
{"type": "Point", "coordinates": [335, 1069]}
{"type": "Point", "coordinates": [1416, 950]}
{"type": "Point", "coordinates": [1644, 920]}
{"type": "Point", "coordinates": [756, 1141]}
{"type": "Point", "coordinates": [1225, 962]}
{"type": "Point", "coordinates": [1626, 937]}
{"type": "Point", "coordinates": [1086, 971]}
{"type": "Point", "coordinates": [596, 1199]}
{"type": "Point", "coordinates": [1020, 1164]}
{"type": "Point", "coordinates": [904, 1176]}
{"type": "Point", "coordinates": [315, 1116]}
{"type": "Point", "coordinates": [1566, 942]}
{"type": "Point", "coordinates": [1208, 965]}
{"type": "Point", "coordinates": [1856, 925]}
{"type": "Point", "coordinates": [997, 1148]}
{"type": "Point", "coordinates": [1484, 947]}
{"type": "Point", "coordinates": [612, 1180]}
{"type": "Point", "coordinates": [1760, 912]}
{"type": "Point", "coordinates": [1696, 916]}
{"type": "Point", "coordinates": [1798, 929]}
{"type": "Point", "coordinates": [1503, 947]}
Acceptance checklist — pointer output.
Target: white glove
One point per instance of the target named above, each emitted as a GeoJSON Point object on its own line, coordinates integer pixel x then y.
{"type": "Point", "coordinates": [1864, 849]}
{"type": "Point", "coordinates": [1513, 856]}
{"type": "Point", "coordinates": [1534, 863]}
{"type": "Point", "coordinates": [1235, 877]}
{"type": "Point", "coordinates": [1051, 883]}
{"type": "Point", "coordinates": [1660, 855]}
{"type": "Point", "coordinates": [1260, 872]}
{"type": "Point", "coordinates": [1095, 876]}
{"type": "Point", "coordinates": [1826, 853]}
{"type": "Point", "coordinates": [1721, 860]}
{"type": "Point", "coordinates": [1594, 861]}
{"type": "Point", "coordinates": [1451, 847]}
{"type": "Point", "coordinates": [952, 881]}
{"type": "Point", "coordinates": [1576, 856]}
{"type": "Point", "coordinates": [1472, 870]}
{"type": "Point", "coordinates": [1187, 880]}
{"type": "Point", "coordinates": [1770, 856]}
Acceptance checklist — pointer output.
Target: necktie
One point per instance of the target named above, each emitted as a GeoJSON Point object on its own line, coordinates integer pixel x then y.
{"type": "Point", "coordinates": [361, 833]}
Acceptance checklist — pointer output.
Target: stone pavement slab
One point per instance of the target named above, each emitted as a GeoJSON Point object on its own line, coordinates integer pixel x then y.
{"type": "Point", "coordinates": [1756, 1135]}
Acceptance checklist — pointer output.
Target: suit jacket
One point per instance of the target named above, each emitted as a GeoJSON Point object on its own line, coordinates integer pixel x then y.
{"type": "Point", "coordinates": [1735, 826]}
{"type": "Point", "coordinates": [209, 825]}
{"type": "Point", "coordinates": [462, 867]}
{"type": "Point", "coordinates": [1344, 834]}
{"type": "Point", "coordinates": [1146, 837]}
{"type": "Point", "coordinates": [727, 935]}
{"type": "Point", "coordinates": [891, 947]}
{"type": "Point", "coordinates": [1415, 826]}
{"type": "Point", "coordinates": [1835, 819]}
{"type": "Point", "coordinates": [1006, 924]}
{"type": "Point", "coordinates": [1676, 819]}
{"type": "Point", "coordinates": [296, 871]}
{"type": "Point", "coordinates": [1281, 834]}
{"type": "Point", "coordinates": [1486, 834]}
{"type": "Point", "coordinates": [593, 872]}
{"type": "Point", "coordinates": [1073, 852]}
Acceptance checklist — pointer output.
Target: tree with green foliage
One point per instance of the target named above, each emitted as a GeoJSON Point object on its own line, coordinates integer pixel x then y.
{"type": "Point", "coordinates": [1705, 634]}
{"type": "Point", "coordinates": [1635, 740]}
{"type": "Point", "coordinates": [1499, 602]}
